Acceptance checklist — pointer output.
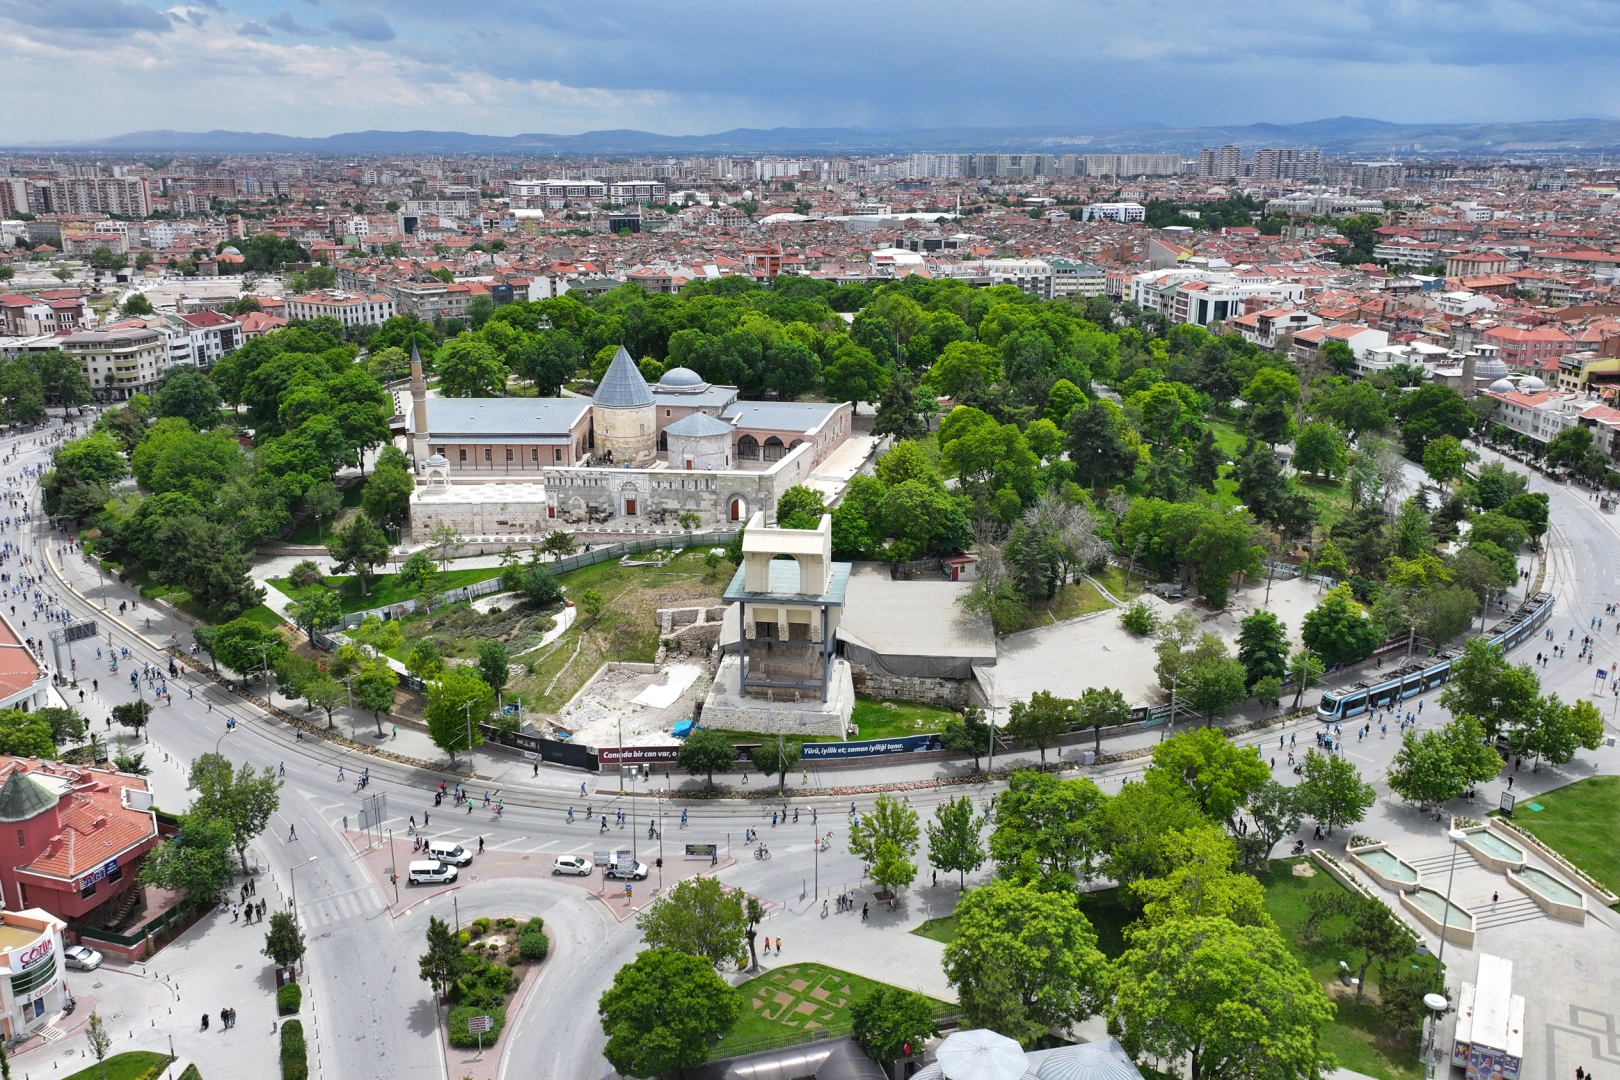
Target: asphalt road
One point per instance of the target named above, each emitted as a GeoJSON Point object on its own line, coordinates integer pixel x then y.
{"type": "Point", "coordinates": [378, 1018]}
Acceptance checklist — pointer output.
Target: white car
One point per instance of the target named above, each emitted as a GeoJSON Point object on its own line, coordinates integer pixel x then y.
{"type": "Point", "coordinates": [572, 864]}
{"type": "Point", "coordinates": [637, 873]}
{"type": "Point", "coordinates": [81, 958]}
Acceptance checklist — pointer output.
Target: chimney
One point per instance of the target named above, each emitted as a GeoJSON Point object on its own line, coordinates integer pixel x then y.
{"type": "Point", "coordinates": [1468, 388]}
{"type": "Point", "coordinates": [419, 436]}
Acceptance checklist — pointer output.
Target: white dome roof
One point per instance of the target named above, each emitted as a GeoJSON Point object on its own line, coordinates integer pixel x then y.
{"type": "Point", "coordinates": [1490, 367]}
{"type": "Point", "coordinates": [681, 380]}
{"type": "Point", "coordinates": [1530, 384]}
{"type": "Point", "coordinates": [1502, 386]}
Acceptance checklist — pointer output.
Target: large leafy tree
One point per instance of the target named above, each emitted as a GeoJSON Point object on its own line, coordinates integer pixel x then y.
{"type": "Point", "coordinates": [886, 1020]}
{"type": "Point", "coordinates": [898, 412]}
{"type": "Point", "coordinates": [953, 838]}
{"type": "Point", "coordinates": [443, 962]}
{"type": "Point", "coordinates": [1219, 774]}
{"type": "Point", "coordinates": [190, 395]}
{"type": "Point", "coordinates": [243, 797]}
{"type": "Point", "coordinates": [387, 497]}
{"type": "Point", "coordinates": [458, 701]}
{"type": "Point", "coordinates": [885, 838]}
{"type": "Point", "coordinates": [469, 367]}
{"type": "Point", "coordinates": [1041, 720]}
{"type": "Point", "coordinates": [1044, 830]}
{"type": "Point", "coordinates": [1024, 960]}
{"type": "Point", "coordinates": [357, 548]}
{"type": "Point", "coordinates": [1333, 792]}
{"type": "Point", "coordinates": [1231, 998]}
{"type": "Point", "coordinates": [1337, 632]}
{"type": "Point", "coordinates": [1100, 707]}
{"type": "Point", "coordinates": [195, 862]}
{"type": "Point", "coordinates": [663, 1011]}
{"type": "Point", "coordinates": [704, 751]}
{"type": "Point", "coordinates": [1485, 686]}
{"type": "Point", "coordinates": [1097, 446]}
{"type": "Point", "coordinates": [1262, 647]}
{"type": "Point", "coordinates": [699, 917]}
{"type": "Point", "coordinates": [1132, 828]}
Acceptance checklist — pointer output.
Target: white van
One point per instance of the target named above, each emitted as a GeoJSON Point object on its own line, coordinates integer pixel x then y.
{"type": "Point", "coordinates": [430, 872]}
{"type": "Point", "coordinates": [447, 851]}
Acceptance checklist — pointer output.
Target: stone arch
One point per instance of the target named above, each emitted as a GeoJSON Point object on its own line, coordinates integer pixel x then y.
{"type": "Point", "coordinates": [747, 448]}
{"type": "Point", "coordinates": [773, 449]}
{"type": "Point", "coordinates": [663, 440]}
{"type": "Point", "coordinates": [795, 444]}
{"type": "Point", "coordinates": [737, 507]}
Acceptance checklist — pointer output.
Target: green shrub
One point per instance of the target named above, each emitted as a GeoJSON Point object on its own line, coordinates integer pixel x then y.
{"type": "Point", "coordinates": [1139, 619]}
{"type": "Point", "coordinates": [534, 925]}
{"type": "Point", "coordinates": [533, 945]}
{"type": "Point", "coordinates": [190, 1073]}
{"type": "Point", "coordinates": [480, 927]}
{"type": "Point", "coordinates": [506, 924]}
{"type": "Point", "coordinates": [288, 999]}
{"type": "Point", "coordinates": [464, 938]}
{"type": "Point", "coordinates": [294, 1052]}
{"type": "Point", "coordinates": [459, 1036]}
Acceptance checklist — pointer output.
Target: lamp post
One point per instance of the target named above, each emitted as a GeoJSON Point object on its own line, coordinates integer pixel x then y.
{"type": "Point", "coordinates": [1456, 836]}
{"type": "Point", "coordinates": [292, 877]}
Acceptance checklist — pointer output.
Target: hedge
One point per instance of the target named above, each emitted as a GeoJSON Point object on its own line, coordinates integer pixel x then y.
{"type": "Point", "coordinates": [288, 999]}
{"type": "Point", "coordinates": [459, 1036]}
{"type": "Point", "coordinates": [294, 1052]}
{"type": "Point", "coordinates": [191, 1073]}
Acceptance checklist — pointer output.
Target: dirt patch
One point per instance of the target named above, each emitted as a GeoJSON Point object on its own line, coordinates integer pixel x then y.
{"type": "Point", "coordinates": [1304, 869]}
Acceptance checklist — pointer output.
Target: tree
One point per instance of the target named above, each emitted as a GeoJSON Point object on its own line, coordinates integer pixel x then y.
{"type": "Point", "coordinates": [1307, 670]}
{"type": "Point", "coordinates": [492, 664]}
{"type": "Point", "coordinates": [195, 862]}
{"type": "Point", "coordinates": [953, 838]}
{"type": "Point", "coordinates": [1045, 830]}
{"type": "Point", "coordinates": [853, 375]}
{"type": "Point", "coordinates": [1219, 774]}
{"type": "Point", "coordinates": [662, 1012]}
{"type": "Point", "coordinates": [243, 798]}
{"type": "Point", "coordinates": [540, 587]}
{"type": "Point", "coordinates": [590, 604]}
{"type": "Point", "coordinates": [1339, 356]}
{"type": "Point", "coordinates": [67, 724]}
{"type": "Point", "coordinates": [1378, 934]}
{"type": "Point", "coordinates": [1486, 687]}
{"type": "Point", "coordinates": [322, 502]}
{"type": "Point", "coordinates": [1041, 720]}
{"type": "Point", "coordinates": [1232, 998]}
{"type": "Point", "coordinates": [885, 838]}
{"type": "Point", "coordinates": [1332, 791]}
{"type": "Point", "coordinates": [314, 608]}
{"type": "Point", "coordinates": [443, 963]}
{"type": "Point", "coordinates": [777, 760]}
{"type": "Point", "coordinates": [1024, 960]}
{"type": "Point", "coordinates": [1100, 707]}
{"type": "Point", "coordinates": [284, 941]}
{"type": "Point", "coordinates": [1437, 766]}
{"type": "Point", "coordinates": [1215, 684]}
{"type": "Point", "coordinates": [897, 411]}
{"type": "Point", "coordinates": [387, 497]}
{"type": "Point", "coordinates": [1262, 647]}
{"type": "Point", "coordinates": [1557, 730]}
{"type": "Point", "coordinates": [1274, 810]}
{"type": "Point", "coordinates": [698, 917]}
{"type": "Point", "coordinates": [1570, 447]}
{"type": "Point", "coordinates": [458, 701]}
{"type": "Point", "coordinates": [190, 395]}
{"type": "Point", "coordinates": [136, 304]}
{"type": "Point", "coordinates": [1320, 448]}
{"type": "Point", "coordinates": [356, 548]}
{"type": "Point", "coordinates": [799, 507]}
{"type": "Point", "coordinates": [968, 734]}
{"type": "Point", "coordinates": [889, 1022]}
{"type": "Point", "coordinates": [323, 692]}
{"type": "Point", "coordinates": [96, 1034]}
{"type": "Point", "coordinates": [445, 536]}
{"type": "Point", "coordinates": [1201, 882]}
{"type": "Point", "coordinates": [1096, 445]}
{"type": "Point", "coordinates": [133, 715]}
{"type": "Point", "coordinates": [1444, 459]}
{"type": "Point", "coordinates": [1337, 632]}
{"type": "Point", "coordinates": [558, 544]}
{"type": "Point", "coordinates": [374, 686]}
{"type": "Point", "coordinates": [704, 751]}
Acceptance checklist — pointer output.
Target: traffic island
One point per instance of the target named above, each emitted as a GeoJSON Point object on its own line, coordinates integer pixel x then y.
{"type": "Point", "coordinates": [502, 959]}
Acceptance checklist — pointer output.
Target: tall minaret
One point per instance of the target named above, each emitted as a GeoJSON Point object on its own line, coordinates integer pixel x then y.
{"type": "Point", "coordinates": [419, 425]}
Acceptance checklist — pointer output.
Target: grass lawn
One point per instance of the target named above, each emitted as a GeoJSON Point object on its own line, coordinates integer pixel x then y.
{"type": "Point", "coordinates": [1355, 1037]}
{"type": "Point", "coordinates": [126, 1066]}
{"type": "Point", "coordinates": [389, 589]}
{"type": "Point", "coordinates": [1331, 497]}
{"type": "Point", "coordinates": [308, 531]}
{"type": "Point", "coordinates": [1577, 821]}
{"type": "Point", "coordinates": [794, 1004]}
{"type": "Point", "coordinates": [264, 617]}
{"type": "Point", "coordinates": [878, 719]}
{"type": "Point", "coordinates": [1112, 578]}
{"type": "Point", "coordinates": [942, 930]}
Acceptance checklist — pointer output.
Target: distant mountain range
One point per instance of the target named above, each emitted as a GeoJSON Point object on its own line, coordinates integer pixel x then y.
{"type": "Point", "coordinates": [1340, 136]}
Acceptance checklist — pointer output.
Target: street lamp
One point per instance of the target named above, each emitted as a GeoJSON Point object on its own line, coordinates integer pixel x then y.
{"type": "Point", "coordinates": [292, 876]}
{"type": "Point", "coordinates": [1456, 836]}
{"type": "Point", "coordinates": [1436, 1004]}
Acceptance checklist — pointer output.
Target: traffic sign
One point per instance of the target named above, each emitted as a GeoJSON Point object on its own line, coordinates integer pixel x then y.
{"type": "Point", "coordinates": [477, 1025]}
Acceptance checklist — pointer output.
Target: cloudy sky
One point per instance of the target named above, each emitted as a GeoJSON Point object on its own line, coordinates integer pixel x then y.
{"type": "Point", "coordinates": [94, 68]}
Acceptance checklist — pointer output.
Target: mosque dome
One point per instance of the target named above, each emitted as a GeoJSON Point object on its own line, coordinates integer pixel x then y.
{"type": "Point", "coordinates": [681, 380]}
{"type": "Point", "coordinates": [1530, 384]}
{"type": "Point", "coordinates": [1502, 386]}
{"type": "Point", "coordinates": [1490, 367]}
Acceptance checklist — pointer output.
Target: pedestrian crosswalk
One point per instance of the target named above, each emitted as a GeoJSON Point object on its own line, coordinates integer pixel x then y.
{"type": "Point", "coordinates": [332, 908]}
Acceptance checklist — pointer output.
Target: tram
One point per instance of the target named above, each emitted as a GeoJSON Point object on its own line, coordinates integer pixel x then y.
{"type": "Point", "coordinates": [1425, 673]}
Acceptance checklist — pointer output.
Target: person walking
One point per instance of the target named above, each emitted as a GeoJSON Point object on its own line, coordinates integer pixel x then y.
{"type": "Point", "coordinates": [864, 911]}
{"type": "Point", "coordinates": [292, 833]}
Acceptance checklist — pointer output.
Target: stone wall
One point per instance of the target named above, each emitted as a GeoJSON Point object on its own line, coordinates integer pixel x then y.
{"type": "Point", "coordinates": [724, 708]}
{"type": "Point", "coordinates": [945, 693]}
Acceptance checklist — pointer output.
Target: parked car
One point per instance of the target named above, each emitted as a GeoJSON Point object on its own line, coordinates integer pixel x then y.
{"type": "Point", "coordinates": [572, 864]}
{"type": "Point", "coordinates": [81, 958]}
{"type": "Point", "coordinates": [637, 873]}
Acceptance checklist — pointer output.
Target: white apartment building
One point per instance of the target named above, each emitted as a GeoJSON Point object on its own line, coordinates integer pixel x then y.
{"type": "Point", "coordinates": [119, 363]}
{"type": "Point", "coordinates": [638, 191]}
{"type": "Point", "coordinates": [350, 309]}
{"type": "Point", "coordinates": [1207, 296]}
{"type": "Point", "coordinates": [554, 194]}
{"type": "Point", "coordinates": [1076, 279]}
{"type": "Point", "coordinates": [1267, 328]}
{"type": "Point", "coordinates": [1120, 211]}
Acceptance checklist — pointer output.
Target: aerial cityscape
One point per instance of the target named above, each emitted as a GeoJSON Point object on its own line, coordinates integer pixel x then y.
{"type": "Point", "coordinates": [943, 548]}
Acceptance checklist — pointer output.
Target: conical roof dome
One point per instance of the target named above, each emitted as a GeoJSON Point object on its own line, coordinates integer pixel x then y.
{"type": "Point", "coordinates": [21, 798]}
{"type": "Point", "coordinates": [622, 387]}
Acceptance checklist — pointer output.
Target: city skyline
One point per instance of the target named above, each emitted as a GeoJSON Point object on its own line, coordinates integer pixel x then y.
{"type": "Point", "coordinates": [91, 69]}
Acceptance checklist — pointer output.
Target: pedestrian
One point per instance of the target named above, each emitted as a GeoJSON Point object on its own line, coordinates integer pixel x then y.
{"type": "Point", "coordinates": [292, 833]}
{"type": "Point", "coordinates": [1510, 783]}
{"type": "Point", "coordinates": [778, 946]}
{"type": "Point", "coordinates": [864, 911]}
{"type": "Point", "coordinates": [824, 909]}
{"type": "Point", "coordinates": [340, 772]}
{"type": "Point", "coordinates": [481, 844]}
{"type": "Point", "coordinates": [233, 913]}
{"type": "Point", "coordinates": [424, 819]}
{"type": "Point", "coordinates": [1493, 897]}
{"type": "Point", "coordinates": [936, 879]}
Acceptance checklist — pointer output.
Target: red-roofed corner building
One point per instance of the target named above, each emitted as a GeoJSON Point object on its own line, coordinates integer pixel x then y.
{"type": "Point", "coordinates": [73, 839]}
{"type": "Point", "coordinates": [1528, 349]}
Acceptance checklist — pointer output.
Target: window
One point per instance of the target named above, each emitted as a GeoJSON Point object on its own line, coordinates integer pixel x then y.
{"type": "Point", "coordinates": [508, 453]}
{"type": "Point", "coordinates": [557, 454]}
{"type": "Point", "coordinates": [463, 455]}
{"type": "Point", "coordinates": [534, 455]}
{"type": "Point", "coordinates": [487, 454]}
{"type": "Point", "coordinates": [22, 840]}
